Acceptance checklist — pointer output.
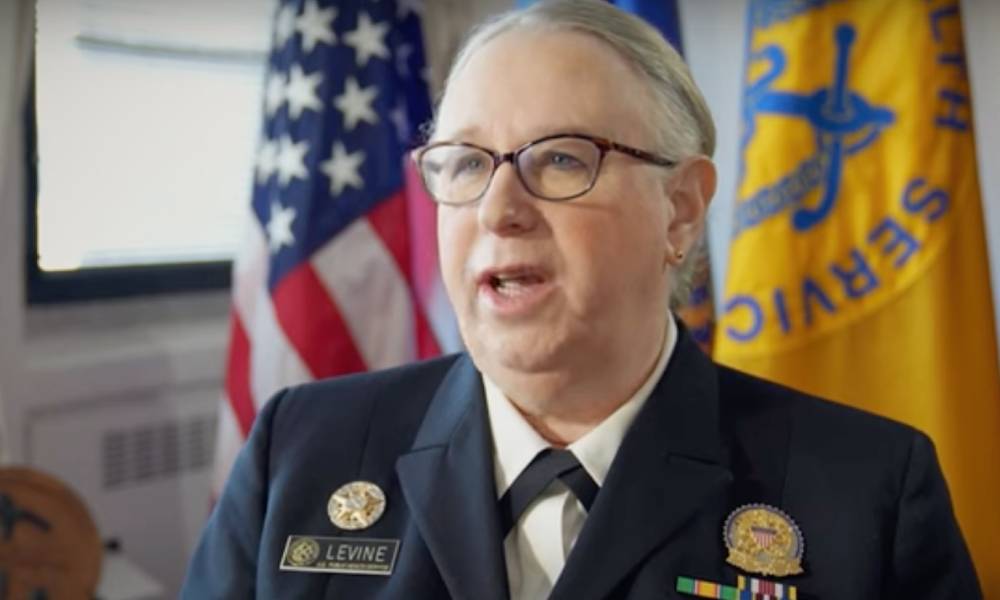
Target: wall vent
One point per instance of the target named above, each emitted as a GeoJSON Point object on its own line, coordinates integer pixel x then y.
{"type": "Point", "coordinates": [155, 451]}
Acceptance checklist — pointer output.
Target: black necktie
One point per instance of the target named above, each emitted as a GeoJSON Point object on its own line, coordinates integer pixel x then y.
{"type": "Point", "coordinates": [550, 464]}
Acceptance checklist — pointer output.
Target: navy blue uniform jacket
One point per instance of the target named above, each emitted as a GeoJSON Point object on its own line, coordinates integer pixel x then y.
{"type": "Point", "coordinates": [866, 492]}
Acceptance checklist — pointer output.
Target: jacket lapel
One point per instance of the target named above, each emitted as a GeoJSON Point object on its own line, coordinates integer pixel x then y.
{"type": "Point", "coordinates": [669, 463]}
{"type": "Point", "coordinates": [447, 479]}
{"type": "Point", "coordinates": [759, 435]}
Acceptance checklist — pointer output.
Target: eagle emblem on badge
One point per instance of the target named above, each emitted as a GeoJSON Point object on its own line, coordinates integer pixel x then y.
{"type": "Point", "coordinates": [763, 539]}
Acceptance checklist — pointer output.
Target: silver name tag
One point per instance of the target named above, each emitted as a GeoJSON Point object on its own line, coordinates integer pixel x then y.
{"type": "Point", "coordinates": [355, 556]}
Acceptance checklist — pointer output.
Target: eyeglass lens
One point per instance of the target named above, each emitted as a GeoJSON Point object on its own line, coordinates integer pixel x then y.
{"type": "Point", "coordinates": [553, 169]}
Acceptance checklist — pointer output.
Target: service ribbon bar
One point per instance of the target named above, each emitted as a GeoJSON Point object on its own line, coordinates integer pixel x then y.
{"type": "Point", "coordinates": [748, 588]}
{"type": "Point", "coordinates": [762, 589]}
{"type": "Point", "coordinates": [707, 589]}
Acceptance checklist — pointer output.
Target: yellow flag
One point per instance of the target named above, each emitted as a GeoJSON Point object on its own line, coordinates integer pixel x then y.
{"type": "Point", "coordinates": [858, 267]}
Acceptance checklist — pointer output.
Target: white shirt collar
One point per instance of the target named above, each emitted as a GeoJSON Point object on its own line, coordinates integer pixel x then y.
{"type": "Point", "coordinates": [515, 441]}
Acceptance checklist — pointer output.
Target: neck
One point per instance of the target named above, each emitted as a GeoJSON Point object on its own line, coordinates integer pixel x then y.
{"type": "Point", "coordinates": [565, 405]}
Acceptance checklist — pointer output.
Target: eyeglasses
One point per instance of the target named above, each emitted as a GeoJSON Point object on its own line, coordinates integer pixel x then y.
{"type": "Point", "coordinates": [556, 167]}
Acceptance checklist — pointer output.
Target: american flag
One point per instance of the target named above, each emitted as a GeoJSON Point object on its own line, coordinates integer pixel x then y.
{"type": "Point", "coordinates": [337, 273]}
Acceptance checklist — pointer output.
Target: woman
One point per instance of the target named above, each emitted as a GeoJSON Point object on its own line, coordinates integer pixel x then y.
{"type": "Point", "coordinates": [583, 447]}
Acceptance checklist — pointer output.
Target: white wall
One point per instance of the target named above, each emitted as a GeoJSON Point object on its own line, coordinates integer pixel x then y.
{"type": "Point", "coordinates": [14, 60]}
{"type": "Point", "coordinates": [69, 373]}
{"type": "Point", "coordinates": [982, 24]}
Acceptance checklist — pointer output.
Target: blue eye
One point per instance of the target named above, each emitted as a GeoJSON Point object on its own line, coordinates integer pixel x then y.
{"type": "Point", "coordinates": [562, 160]}
{"type": "Point", "coordinates": [470, 164]}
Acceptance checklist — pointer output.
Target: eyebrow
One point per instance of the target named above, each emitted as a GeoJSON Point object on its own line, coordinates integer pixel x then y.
{"type": "Point", "coordinates": [474, 133]}
{"type": "Point", "coordinates": [464, 132]}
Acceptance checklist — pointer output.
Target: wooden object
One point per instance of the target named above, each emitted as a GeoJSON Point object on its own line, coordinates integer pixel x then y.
{"type": "Point", "coordinates": [49, 546]}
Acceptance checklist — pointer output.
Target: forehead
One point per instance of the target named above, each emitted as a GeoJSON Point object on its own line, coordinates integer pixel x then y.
{"type": "Point", "coordinates": [525, 84]}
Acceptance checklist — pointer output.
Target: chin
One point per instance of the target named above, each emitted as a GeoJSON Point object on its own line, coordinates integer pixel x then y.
{"type": "Point", "coordinates": [519, 351]}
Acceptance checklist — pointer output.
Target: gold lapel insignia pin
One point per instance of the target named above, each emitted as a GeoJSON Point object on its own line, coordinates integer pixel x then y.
{"type": "Point", "coordinates": [763, 539]}
{"type": "Point", "coordinates": [356, 505]}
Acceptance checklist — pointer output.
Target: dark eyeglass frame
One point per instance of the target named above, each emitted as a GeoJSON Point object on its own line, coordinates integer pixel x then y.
{"type": "Point", "coordinates": [603, 145]}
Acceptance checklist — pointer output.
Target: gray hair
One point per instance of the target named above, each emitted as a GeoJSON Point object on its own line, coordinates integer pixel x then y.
{"type": "Point", "coordinates": [680, 118]}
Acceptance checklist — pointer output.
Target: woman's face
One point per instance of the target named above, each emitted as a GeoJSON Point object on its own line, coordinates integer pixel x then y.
{"type": "Point", "coordinates": [539, 285]}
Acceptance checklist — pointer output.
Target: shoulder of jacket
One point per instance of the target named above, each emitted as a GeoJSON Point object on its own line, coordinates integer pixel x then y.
{"type": "Point", "coordinates": [359, 395]}
{"type": "Point", "coordinates": [742, 394]}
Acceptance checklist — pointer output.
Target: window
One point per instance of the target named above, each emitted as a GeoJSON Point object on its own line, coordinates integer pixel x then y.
{"type": "Point", "coordinates": [146, 119]}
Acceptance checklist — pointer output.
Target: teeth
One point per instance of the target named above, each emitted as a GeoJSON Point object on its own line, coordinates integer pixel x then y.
{"type": "Point", "coordinates": [511, 287]}
{"type": "Point", "coordinates": [513, 284]}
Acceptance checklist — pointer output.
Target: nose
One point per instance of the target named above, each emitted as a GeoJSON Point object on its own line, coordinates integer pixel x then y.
{"type": "Point", "coordinates": [507, 208]}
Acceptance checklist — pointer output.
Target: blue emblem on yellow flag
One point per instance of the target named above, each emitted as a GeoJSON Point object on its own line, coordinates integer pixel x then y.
{"type": "Point", "coordinates": [830, 182]}
{"type": "Point", "coordinates": [857, 263]}
{"type": "Point", "coordinates": [843, 125]}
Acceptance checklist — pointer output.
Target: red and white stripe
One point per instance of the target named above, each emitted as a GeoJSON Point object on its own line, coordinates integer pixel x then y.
{"type": "Point", "coordinates": [769, 590]}
{"type": "Point", "coordinates": [360, 303]}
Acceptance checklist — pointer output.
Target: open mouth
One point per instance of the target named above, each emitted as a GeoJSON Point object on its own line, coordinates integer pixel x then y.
{"type": "Point", "coordinates": [515, 290]}
{"type": "Point", "coordinates": [514, 284]}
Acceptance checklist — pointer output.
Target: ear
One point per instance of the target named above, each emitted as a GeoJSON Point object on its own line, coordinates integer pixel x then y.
{"type": "Point", "coordinates": [690, 189]}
